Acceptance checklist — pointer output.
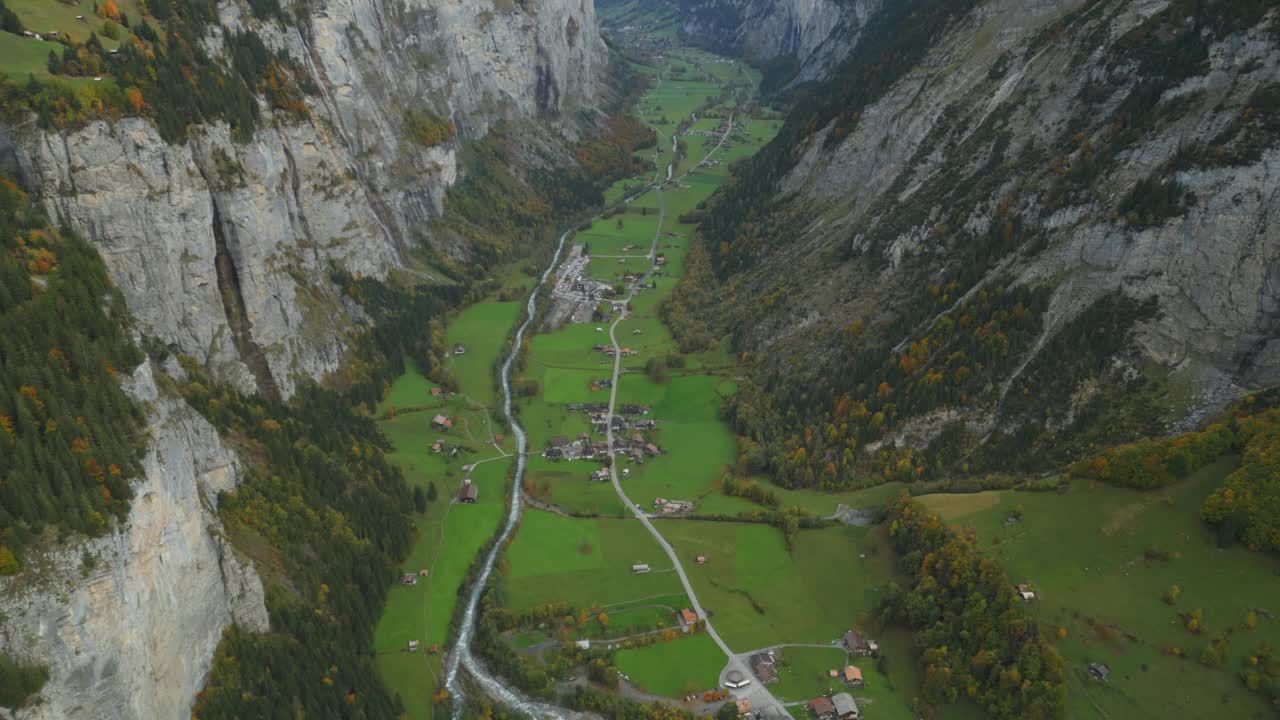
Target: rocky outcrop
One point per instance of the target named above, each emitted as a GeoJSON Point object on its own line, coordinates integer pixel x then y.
{"type": "Point", "coordinates": [128, 623]}
{"type": "Point", "coordinates": [280, 208]}
{"type": "Point", "coordinates": [1023, 109]}
{"type": "Point", "coordinates": [223, 250]}
{"type": "Point", "coordinates": [344, 186]}
{"type": "Point", "coordinates": [818, 34]}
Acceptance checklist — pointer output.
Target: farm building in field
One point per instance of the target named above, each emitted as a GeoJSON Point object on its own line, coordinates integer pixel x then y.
{"type": "Point", "coordinates": [688, 617]}
{"type": "Point", "coordinates": [673, 507]}
{"type": "Point", "coordinates": [858, 644]}
{"type": "Point", "coordinates": [408, 579]}
{"type": "Point", "coordinates": [762, 664]}
{"type": "Point", "coordinates": [851, 676]}
{"type": "Point", "coordinates": [413, 646]}
{"type": "Point", "coordinates": [442, 421]}
{"type": "Point", "coordinates": [846, 708]}
{"type": "Point", "coordinates": [468, 492]}
{"type": "Point", "coordinates": [459, 349]}
{"type": "Point", "coordinates": [436, 392]}
{"type": "Point", "coordinates": [640, 568]}
{"type": "Point", "coordinates": [822, 709]}
{"type": "Point", "coordinates": [1026, 593]}
{"type": "Point", "coordinates": [559, 441]}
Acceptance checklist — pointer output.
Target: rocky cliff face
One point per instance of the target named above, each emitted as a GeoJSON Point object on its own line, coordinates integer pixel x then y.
{"type": "Point", "coordinates": [222, 248]}
{"type": "Point", "coordinates": [1089, 147]}
{"type": "Point", "coordinates": [128, 623]}
{"type": "Point", "coordinates": [818, 34]}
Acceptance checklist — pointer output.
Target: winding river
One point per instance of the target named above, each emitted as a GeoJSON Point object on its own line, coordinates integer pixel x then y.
{"type": "Point", "coordinates": [461, 654]}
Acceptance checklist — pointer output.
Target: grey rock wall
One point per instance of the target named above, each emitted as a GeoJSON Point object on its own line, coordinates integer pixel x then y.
{"type": "Point", "coordinates": [222, 251]}
{"type": "Point", "coordinates": [818, 33]}
{"type": "Point", "coordinates": [919, 150]}
{"type": "Point", "coordinates": [133, 636]}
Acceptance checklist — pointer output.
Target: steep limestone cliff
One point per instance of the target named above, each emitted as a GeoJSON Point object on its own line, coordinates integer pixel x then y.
{"type": "Point", "coordinates": [130, 633]}
{"type": "Point", "coordinates": [1090, 148]}
{"type": "Point", "coordinates": [811, 37]}
{"type": "Point", "coordinates": [345, 186]}
{"type": "Point", "coordinates": [222, 249]}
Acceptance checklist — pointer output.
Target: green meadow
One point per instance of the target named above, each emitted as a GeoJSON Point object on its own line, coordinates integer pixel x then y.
{"type": "Point", "coordinates": [483, 329]}
{"type": "Point", "coordinates": [751, 578]}
{"type": "Point", "coordinates": [410, 390]}
{"type": "Point", "coordinates": [585, 561]}
{"type": "Point", "coordinates": [761, 594]}
{"type": "Point", "coordinates": [43, 16]}
{"type": "Point", "coordinates": [1100, 559]}
{"type": "Point", "coordinates": [23, 56]}
{"type": "Point", "coordinates": [804, 672]}
{"type": "Point", "coordinates": [686, 665]}
{"type": "Point", "coordinates": [448, 534]}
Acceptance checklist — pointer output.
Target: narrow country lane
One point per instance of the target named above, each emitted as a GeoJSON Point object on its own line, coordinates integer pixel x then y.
{"type": "Point", "coordinates": [461, 657]}
{"type": "Point", "coordinates": [757, 693]}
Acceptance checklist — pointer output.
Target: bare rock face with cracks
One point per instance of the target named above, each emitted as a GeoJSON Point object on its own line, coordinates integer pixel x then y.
{"type": "Point", "coordinates": [222, 247]}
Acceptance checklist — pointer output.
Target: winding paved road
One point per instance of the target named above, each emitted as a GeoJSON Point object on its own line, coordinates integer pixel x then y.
{"type": "Point", "coordinates": [757, 693]}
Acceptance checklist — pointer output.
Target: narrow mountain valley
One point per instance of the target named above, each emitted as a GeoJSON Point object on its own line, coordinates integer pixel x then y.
{"type": "Point", "coordinates": [644, 359]}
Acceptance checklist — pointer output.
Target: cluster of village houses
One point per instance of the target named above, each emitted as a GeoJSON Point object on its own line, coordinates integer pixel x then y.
{"type": "Point", "coordinates": [562, 447]}
{"type": "Point", "coordinates": [836, 706]}
{"type": "Point", "coordinates": [608, 350]}
{"type": "Point", "coordinates": [578, 291]}
{"type": "Point", "coordinates": [629, 417]}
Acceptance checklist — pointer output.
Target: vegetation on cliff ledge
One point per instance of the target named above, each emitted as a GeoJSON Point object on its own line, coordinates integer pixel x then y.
{"type": "Point", "coordinates": [70, 439]}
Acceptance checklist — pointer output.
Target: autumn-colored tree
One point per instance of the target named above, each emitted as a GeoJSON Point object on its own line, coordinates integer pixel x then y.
{"type": "Point", "coordinates": [109, 10]}
{"type": "Point", "coordinates": [134, 97]}
{"type": "Point", "coordinates": [1195, 621]}
{"type": "Point", "coordinates": [9, 564]}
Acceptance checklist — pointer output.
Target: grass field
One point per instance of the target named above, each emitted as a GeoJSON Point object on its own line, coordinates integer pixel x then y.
{"type": "Point", "coordinates": [412, 389]}
{"type": "Point", "coordinates": [1095, 556]}
{"type": "Point", "coordinates": [22, 56]}
{"type": "Point", "coordinates": [585, 561]}
{"type": "Point", "coordinates": [803, 672]}
{"type": "Point", "coordinates": [43, 16]}
{"type": "Point", "coordinates": [762, 595]}
{"type": "Point", "coordinates": [483, 328]}
{"type": "Point", "coordinates": [674, 669]}
{"type": "Point", "coordinates": [759, 591]}
{"type": "Point", "coordinates": [448, 536]}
